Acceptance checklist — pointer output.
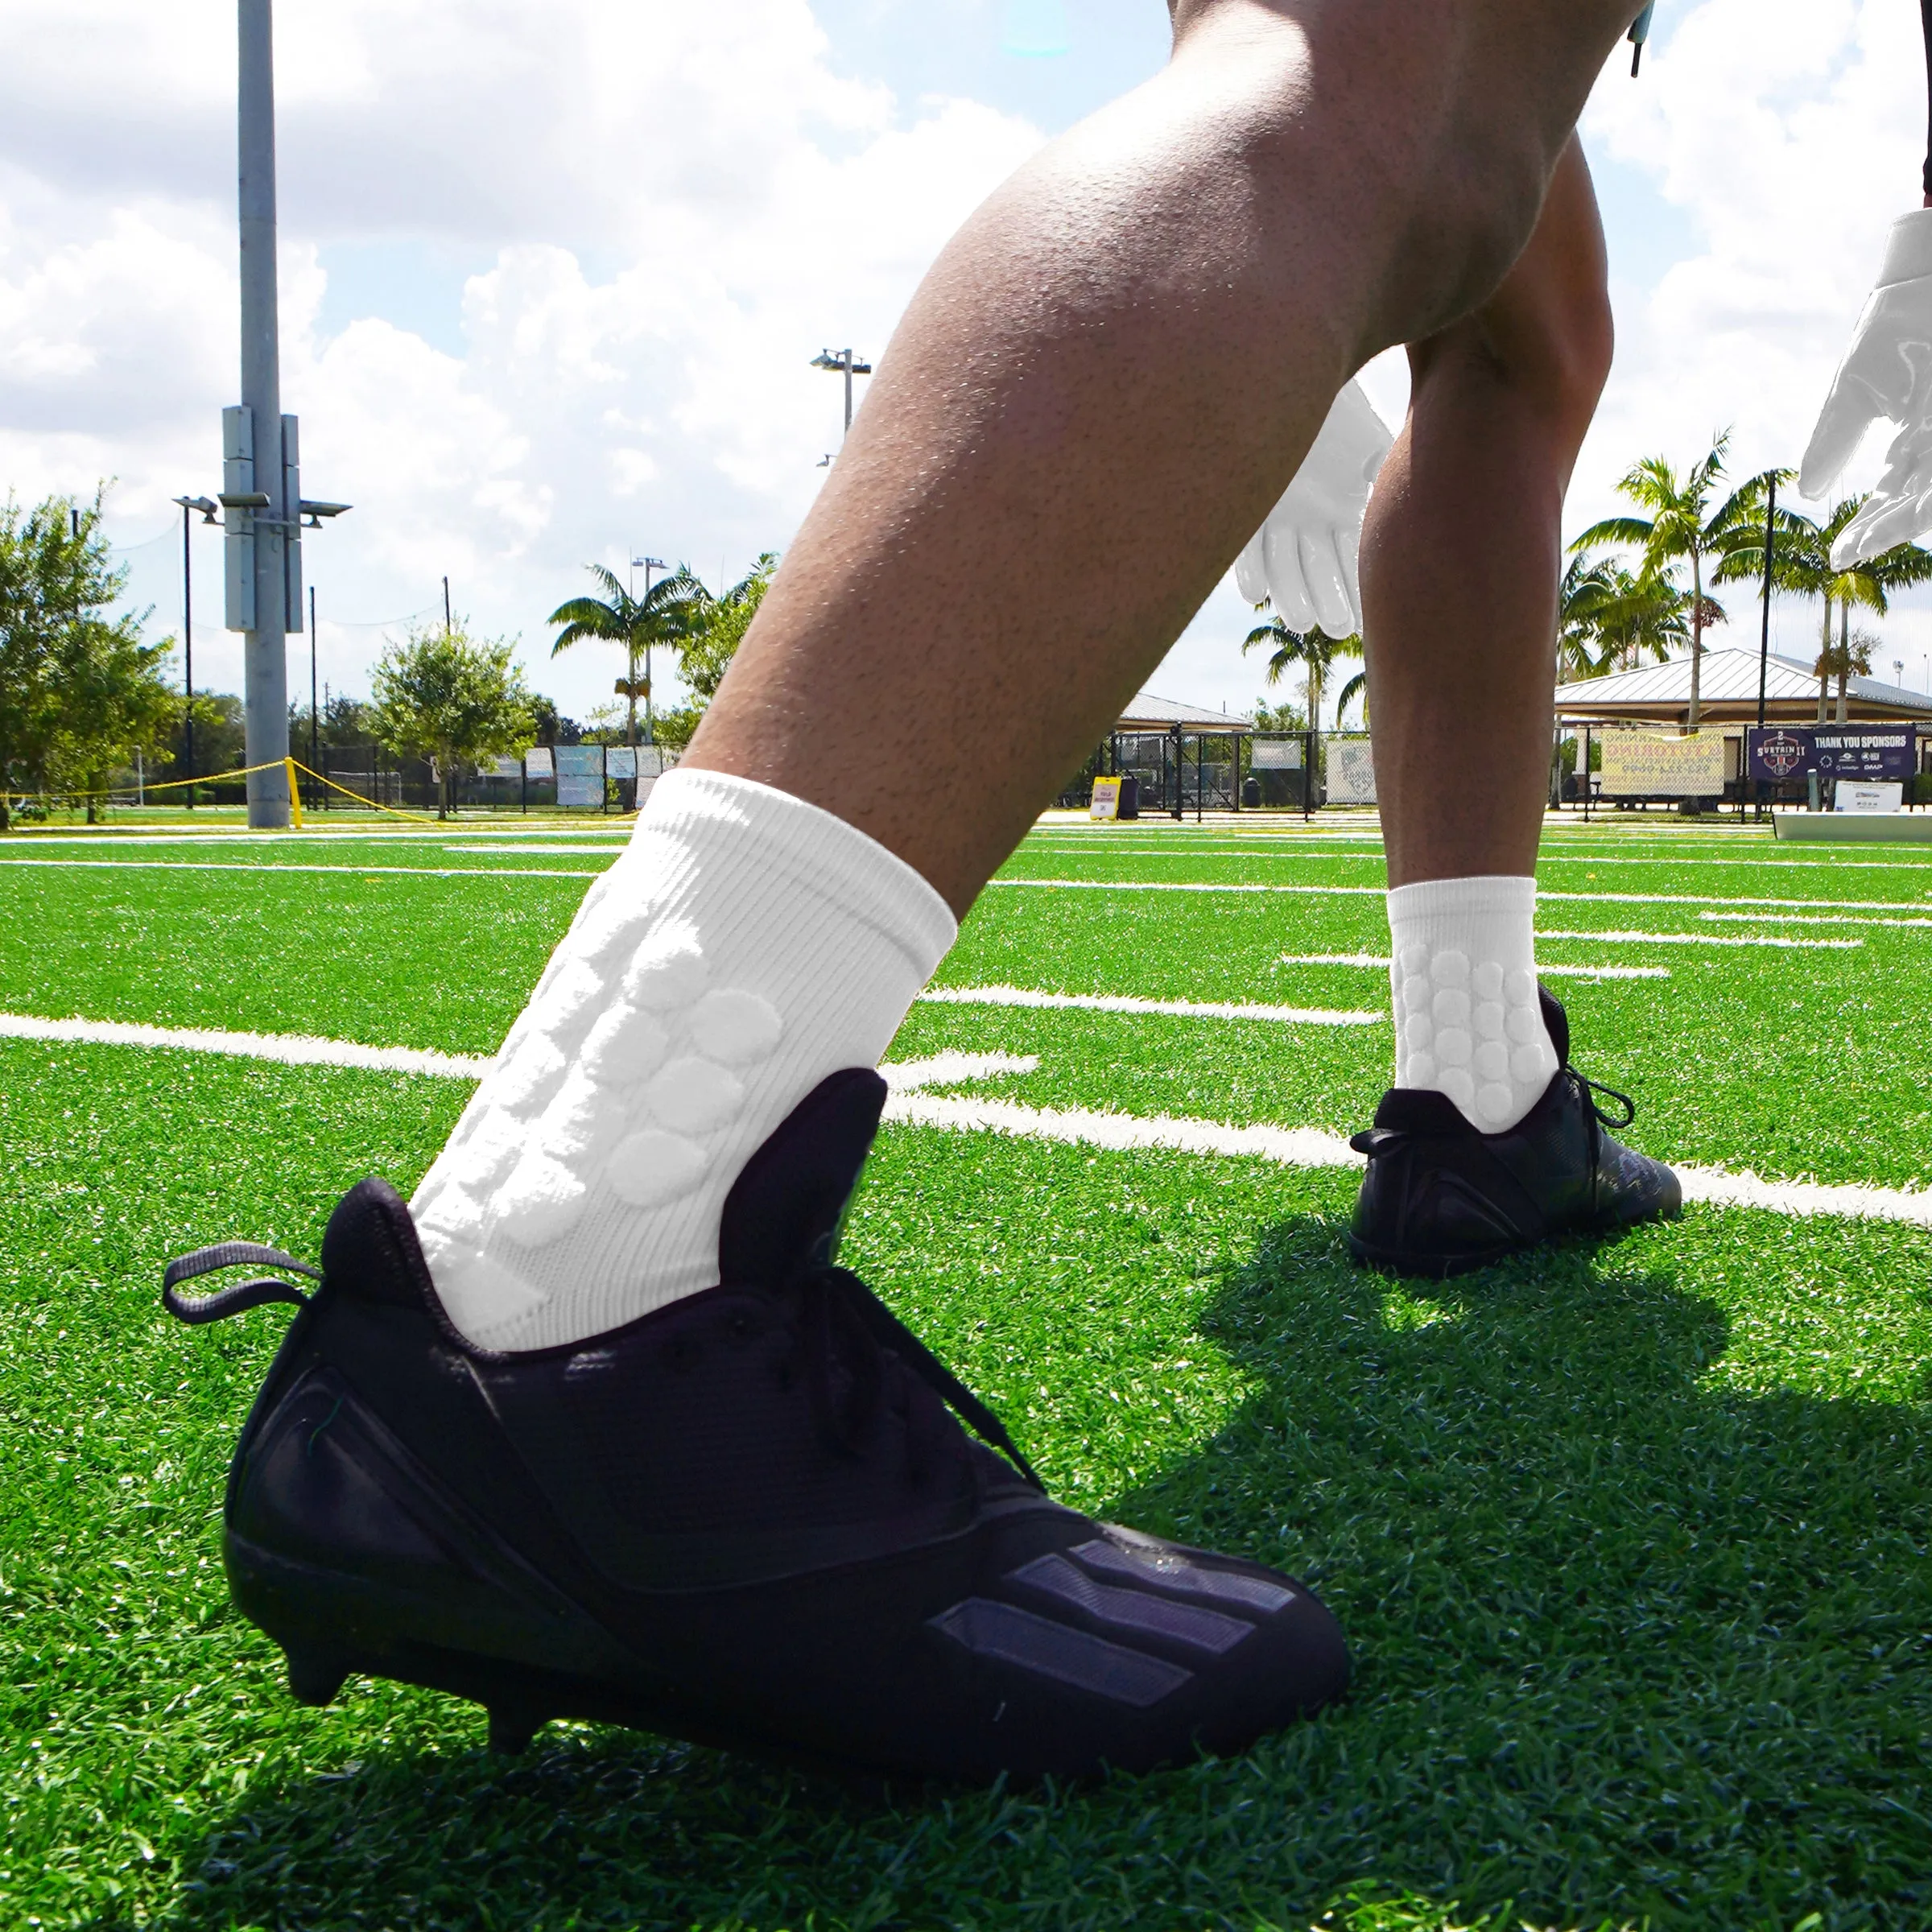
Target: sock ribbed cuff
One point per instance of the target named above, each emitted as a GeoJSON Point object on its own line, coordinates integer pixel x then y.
{"type": "Point", "coordinates": [802, 841]}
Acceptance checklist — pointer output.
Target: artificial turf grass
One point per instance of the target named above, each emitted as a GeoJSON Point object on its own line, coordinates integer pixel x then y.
{"type": "Point", "coordinates": [1614, 1559]}
{"type": "Point", "coordinates": [386, 960]}
{"type": "Point", "coordinates": [1800, 1064]}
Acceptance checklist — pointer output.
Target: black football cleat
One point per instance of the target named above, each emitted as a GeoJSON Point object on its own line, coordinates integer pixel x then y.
{"type": "Point", "coordinates": [750, 1519]}
{"type": "Point", "coordinates": [1441, 1196]}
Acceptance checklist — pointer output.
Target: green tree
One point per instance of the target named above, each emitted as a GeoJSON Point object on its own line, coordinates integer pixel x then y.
{"type": "Point", "coordinates": [78, 692]}
{"type": "Point", "coordinates": [1609, 618]}
{"type": "Point", "coordinates": [1686, 525]}
{"type": "Point", "coordinates": [1313, 649]}
{"type": "Point", "coordinates": [1278, 717]}
{"type": "Point", "coordinates": [667, 614]}
{"type": "Point", "coordinates": [1802, 565]}
{"type": "Point", "coordinates": [442, 695]}
{"type": "Point", "coordinates": [719, 629]}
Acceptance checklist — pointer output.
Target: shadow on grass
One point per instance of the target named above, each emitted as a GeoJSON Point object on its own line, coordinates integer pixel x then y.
{"type": "Point", "coordinates": [1628, 1645]}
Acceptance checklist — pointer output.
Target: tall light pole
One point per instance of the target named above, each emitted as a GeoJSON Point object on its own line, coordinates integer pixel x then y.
{"type": "Point", "coordinates": [845, 363]}
{"type": "Point", "coordinates": [255, 456]}
{"type": "Point", "coordinates": [261, 458]}
{"type": "Point", "coordinates": [210, 511]}
{"type": "Point", "coordinates": [647, 565]}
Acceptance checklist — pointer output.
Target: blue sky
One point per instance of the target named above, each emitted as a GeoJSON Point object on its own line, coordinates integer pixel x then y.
{"type": "Point", "coordinates": [552, 277]}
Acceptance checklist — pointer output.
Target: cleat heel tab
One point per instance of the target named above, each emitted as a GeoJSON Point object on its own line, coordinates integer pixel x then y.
{"type": "Point", "coordinates": [783, 1214]}
{"type": "Point", "coordinates": [369, 1248]}
{"type": "Point", "coordinates": [1556, 1022]}
{"type": "Point", "coordinates": [1410, 1110]}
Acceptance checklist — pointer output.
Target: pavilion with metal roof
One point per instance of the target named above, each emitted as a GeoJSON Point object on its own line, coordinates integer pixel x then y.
{"type": "Point", "coordinates": [1660, 694]}
{"type": "Point", "coordinates": [1149, 713]}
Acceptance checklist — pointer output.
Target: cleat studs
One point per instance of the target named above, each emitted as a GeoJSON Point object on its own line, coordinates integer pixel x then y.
{"type": "Point", "coordinates": [315, 1676]}
{"type": "Point", "coordinates": [510, 1731]}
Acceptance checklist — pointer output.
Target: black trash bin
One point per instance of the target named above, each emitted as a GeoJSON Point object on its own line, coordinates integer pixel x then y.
{"type": "Point", "coordinates": [1251, 793]}
{"type": "Point", "coordinates": [1130, 796]}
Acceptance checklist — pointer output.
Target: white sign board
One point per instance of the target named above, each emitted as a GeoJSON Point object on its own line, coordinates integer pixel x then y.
{"type": "Point", "coordinates": [620, 761]}
{"type": "Point", "coordinates": [1886, 796]}
{"type": "Point", "coordinates": [1275, 754]}
{"type": "Point", "coordinates": [504, 768]}
{"type": "Point", "coordinates": [536, 761]}
{"type": "Point", "coordinates": [1351, 772]}
{"type": "Point", "coordinates": [1639, 767]}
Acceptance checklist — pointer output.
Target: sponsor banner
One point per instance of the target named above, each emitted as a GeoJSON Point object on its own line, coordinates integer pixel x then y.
{"type": "Point", "coordinates": [503, 768]}
{"type": "Point", "coordinates": [579, 760]}
{"type": "Point", "coordinates": [1351, 772]}
{"type": "Point", "coordinates": [1106, 799]}
{"type": "Point", "coordinates": [1275, 754]}
{"type": "Point", "coordinates": [580, 791]}
{"type": "Point", "coordinates": [1639, 767]}
{"type": "Point", "coordinates": [621, 761]}
{"type": "Point", "coordinates": [1867, 753]}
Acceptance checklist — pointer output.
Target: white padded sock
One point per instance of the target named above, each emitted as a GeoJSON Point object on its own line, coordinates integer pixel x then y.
{"type": "Point", "coordinates": [746, 945]}
{"type": "Point", "coordinates": [1467, 1020]}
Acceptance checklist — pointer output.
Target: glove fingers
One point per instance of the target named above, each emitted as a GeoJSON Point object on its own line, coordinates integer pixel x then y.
{"type": "Point", "coordinates": [1849, 412]}
{"type": "Point", "coordinates": [1321, 571]}
{"type": "Point", "coordinates": [1884, 521]}
{"type": "Point", "coordinates": [1283, 559]}
{"type": "Point", "coordinates": [1350, 556]}
{"type": "Point", "coordinates": [1250, 572]}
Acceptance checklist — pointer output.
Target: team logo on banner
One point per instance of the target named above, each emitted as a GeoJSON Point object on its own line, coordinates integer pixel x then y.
{"type": "Point", "coordinates": [1781, 754]}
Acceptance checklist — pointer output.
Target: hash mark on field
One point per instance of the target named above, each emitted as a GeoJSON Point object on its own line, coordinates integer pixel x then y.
{"type": "Point", "coordinates": [1565, 972]}
{"type": "Point", "coordinates": [1109, 1002]}
{"type": "Point", "coordinates": [290, 1049]}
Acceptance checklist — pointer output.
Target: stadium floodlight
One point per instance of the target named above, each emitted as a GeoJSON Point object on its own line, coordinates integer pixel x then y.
{"type": "Point", "coordinates": [314, 512]}
{"type": "Point", "coordinates": [845, 362]}
{"type": "Point", "coordinates": [210, 509]}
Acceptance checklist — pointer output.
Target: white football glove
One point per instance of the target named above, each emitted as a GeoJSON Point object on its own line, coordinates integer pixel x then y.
{"type": "Point", "coordinates": [1887, 372]}
{"type": "Point", "coordinates": [1303, 557]}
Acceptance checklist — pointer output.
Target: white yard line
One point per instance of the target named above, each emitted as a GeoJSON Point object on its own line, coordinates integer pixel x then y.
{"type": "Point", "coordinates": [909, 1103]}
{"type": "Point", "coordinates": [1707, 939]}
{"type": "Point", "coordinates": [290, 1049]}
{"type": "Point", "coordinates": [1376, 892]}
{"type": "Point", "coordinates": [1189, 1010]}
{"type": "Point", "coordinates": [269, 871]}
{"type": "Point", "coordinates": [1813, 918]}
{"type": "Point", "coordinates": [1287, 1146]}
{"type": "Point", "coordinates": [1563, 972]}
{"type": "Point", "coordinates": [392, 834]}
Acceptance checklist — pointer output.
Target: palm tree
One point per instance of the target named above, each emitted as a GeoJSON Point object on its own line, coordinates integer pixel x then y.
{"type": "Point", "coordinates": [667, 613]}
{"type": "Point", "coordinates": [1609, 618]}
{"type": "Point", "coordinates": [1802, 565]}
{"type": "Point", "coordinates": [1316, 650]}
{"type": "Point", "coordinates": [1682, 526]}
{"type": "Point", "coordinates": [1851, 657]}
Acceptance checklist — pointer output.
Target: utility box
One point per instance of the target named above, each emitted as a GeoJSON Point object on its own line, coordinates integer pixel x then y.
{"type": "Point", "coordinates": [238, 546]}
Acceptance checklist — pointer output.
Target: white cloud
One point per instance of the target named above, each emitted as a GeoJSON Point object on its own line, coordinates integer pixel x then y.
{"type": "Point", "coordinates": [680, 206]}
{"type": "Point", "coordinates": [668, 210]}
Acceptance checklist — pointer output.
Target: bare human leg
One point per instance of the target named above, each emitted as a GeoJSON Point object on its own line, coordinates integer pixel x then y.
{"type": "Point", "coordinates": [1489, 1141]}
{"type": "Point", "coordinates": [1461, 553]}
{"type": "Point", "coordinates": [1126, 353]}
